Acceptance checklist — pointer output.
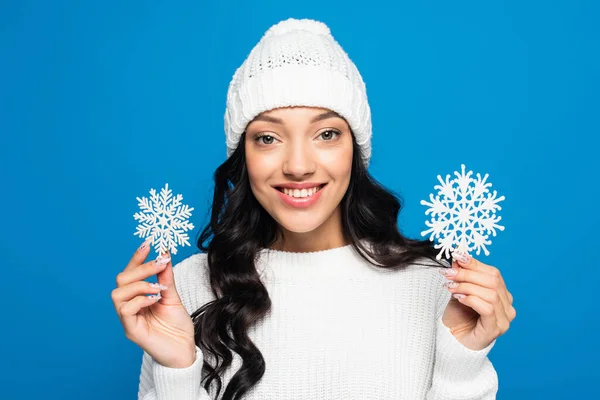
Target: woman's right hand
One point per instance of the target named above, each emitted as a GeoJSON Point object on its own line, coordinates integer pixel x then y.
{"type": "Point", "coordinates": [160, 325]}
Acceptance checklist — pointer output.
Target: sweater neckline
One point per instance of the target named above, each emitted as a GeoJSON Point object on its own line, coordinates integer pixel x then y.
{"type": "Point", "coordinates": [337, 264]}
{"type": "Point", "coordinates": [306, 253]}
{"type": "Point", "coordinates": [289, 262]}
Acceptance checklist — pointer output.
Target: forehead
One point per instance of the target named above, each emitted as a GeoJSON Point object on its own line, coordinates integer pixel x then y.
{"type": "Point", "coordinates": [296, 114]}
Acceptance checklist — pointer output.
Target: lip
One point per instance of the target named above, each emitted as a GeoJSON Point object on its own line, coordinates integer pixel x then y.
{"type": "Point", "coordinates": [300, 202]}
{"type": "Point", "coordinates": [299, 186]}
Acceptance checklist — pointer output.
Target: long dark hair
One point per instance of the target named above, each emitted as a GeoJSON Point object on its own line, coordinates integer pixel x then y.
{"type": "Point", "coordinates": [369, 212]}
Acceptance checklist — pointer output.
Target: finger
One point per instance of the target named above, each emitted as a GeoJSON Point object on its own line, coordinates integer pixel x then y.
{"type": "Point", "coordinates": [503, 293]}
{"type": "Point", "coordinates": [126, 293]}
{"type": "Point", "coordinates": [140, 254]}
{"type": "Point", "coordinates": [489, 317]}
{"type": "Point", "coordinates": [143, 271]}
{"type": "Point", "coordinates": [476, 265]}
{"type": "Point", "coordinates": [486, 294]}
{"type": "Point", "coordinates": [128, 312]}
{"type": "Point", "coordinates": [166, 277]}
{"type": "Point", "coordinates": [466, 261]}
{"type": "Point", "coordinates": [471, 276]}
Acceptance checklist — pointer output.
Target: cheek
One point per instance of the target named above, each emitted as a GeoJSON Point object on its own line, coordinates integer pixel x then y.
{"type": "Point", "coordinates": [254, 165]}
{"type": "Point", "coordinates": [260, 171]}
{"type": "Point", "coordinates": [339, 162]}
{"type": "Point", "coordinates": [257, 179]}
{"type": "Point", "coordinates": [261, 163]}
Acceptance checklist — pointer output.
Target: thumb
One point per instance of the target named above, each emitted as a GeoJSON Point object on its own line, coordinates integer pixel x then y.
{"type": "Point", "coordinates": [169, 296]}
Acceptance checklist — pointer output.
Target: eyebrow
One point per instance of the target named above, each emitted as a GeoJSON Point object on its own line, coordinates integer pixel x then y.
{"type": "Point", "coordinates": [320, 117]}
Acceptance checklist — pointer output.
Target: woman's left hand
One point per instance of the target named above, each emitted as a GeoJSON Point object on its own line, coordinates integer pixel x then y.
{"type": "Point", "coordinates": [486, 312]}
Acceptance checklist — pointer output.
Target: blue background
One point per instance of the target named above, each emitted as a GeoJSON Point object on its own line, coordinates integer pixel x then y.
{"type": "Point", "coordinates": [101, 101]}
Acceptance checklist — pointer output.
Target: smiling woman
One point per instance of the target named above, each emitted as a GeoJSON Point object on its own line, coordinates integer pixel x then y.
{"type": "Point", "coordinates": [304, 288]}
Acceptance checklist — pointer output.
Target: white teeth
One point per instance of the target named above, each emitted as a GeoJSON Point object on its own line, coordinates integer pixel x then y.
{"type": "Point", "coordinates": [300, 193]}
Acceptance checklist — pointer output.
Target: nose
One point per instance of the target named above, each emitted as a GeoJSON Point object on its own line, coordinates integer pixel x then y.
{"type": "Point", "coordinates": [299, 161]}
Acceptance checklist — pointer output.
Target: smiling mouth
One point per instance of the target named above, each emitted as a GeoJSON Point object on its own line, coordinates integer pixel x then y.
{"type": "Point", "coordinates": [300, 193]}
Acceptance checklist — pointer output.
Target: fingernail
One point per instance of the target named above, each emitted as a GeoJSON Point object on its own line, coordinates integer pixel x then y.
{"type": "Point", "coordinates": [159, 286]}
{"type": "Point", "coordinates": [451, 284]}
{"type": "Point", "coordinates": [448, 271]}
{"type": "Point", "coordinates": [462, 257]}
{"type": "Point", "coordinates": [156, 297]}
{"type": "Point", "coordinates": [162, 260]}
{"type": "Point", "coordinates": [458, 296]}
{"type": "Point", "coordinates": [145, 244]}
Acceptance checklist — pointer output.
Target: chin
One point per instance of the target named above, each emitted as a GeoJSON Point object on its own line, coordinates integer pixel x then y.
{"type": "Point", "coordinates": [299, 222]}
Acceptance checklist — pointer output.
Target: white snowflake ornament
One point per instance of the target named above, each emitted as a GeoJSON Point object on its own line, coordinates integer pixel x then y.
{"type": "Point", "coordinates": [164, 219]}
{"type": "Point", "coordinates": [463, 214]}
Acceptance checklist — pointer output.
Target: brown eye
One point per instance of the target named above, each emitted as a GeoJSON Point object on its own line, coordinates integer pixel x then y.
{"type": "Point", "coordinates": [329, 135]}
{"type": "Point", "coordinates": [268, 139]}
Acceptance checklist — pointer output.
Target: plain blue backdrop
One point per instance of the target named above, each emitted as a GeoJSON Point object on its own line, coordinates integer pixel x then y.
{"type": "Point", "coordinates": [101, 101]}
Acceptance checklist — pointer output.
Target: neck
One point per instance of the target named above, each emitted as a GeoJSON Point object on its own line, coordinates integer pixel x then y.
{"type": "Point", "coordinates": [328, 235]}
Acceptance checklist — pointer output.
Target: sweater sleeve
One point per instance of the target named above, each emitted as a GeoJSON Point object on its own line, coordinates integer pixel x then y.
{"type": "Point", "coordinates": [158, 382]}
{"type": "Point", "coordinates": [459, 373]}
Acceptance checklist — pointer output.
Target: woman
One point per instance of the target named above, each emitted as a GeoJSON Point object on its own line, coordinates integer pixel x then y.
{"type": "Point", "coordinates": [306, 288]}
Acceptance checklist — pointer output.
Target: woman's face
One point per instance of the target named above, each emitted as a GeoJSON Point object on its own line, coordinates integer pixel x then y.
{"type": "Point", "coordinates": [310, 147]}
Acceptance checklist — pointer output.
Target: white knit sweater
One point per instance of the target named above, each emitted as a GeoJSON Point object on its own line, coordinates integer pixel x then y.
{"type": "Point", "coordinates": [339, 328]}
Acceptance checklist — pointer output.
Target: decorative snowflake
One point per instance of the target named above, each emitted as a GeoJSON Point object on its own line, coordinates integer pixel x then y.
{"type": "Point", "coordinates": [462, 215]}
{"type": "Point", "coordinates": [164, 219]}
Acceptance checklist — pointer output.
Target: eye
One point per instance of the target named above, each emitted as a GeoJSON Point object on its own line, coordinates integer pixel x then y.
{"type": "Point", "coordinates": [330, 135]}
{"type": "Point", "coordinates": [268, 138]}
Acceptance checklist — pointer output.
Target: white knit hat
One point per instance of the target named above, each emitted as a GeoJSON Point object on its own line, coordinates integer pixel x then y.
{"type": "Point", "coordinates": [298, 63]}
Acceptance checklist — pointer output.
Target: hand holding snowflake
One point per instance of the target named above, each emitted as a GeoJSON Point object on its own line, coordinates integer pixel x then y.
{"type": "Point", "coordinates": [164, 219]}
{"type": "Point", "coordinates": [462, 215]}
